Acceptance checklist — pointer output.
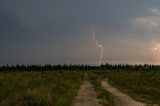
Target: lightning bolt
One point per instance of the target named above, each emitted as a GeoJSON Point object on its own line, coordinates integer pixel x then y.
{"type": "Point", "coordinates": [98, 45]}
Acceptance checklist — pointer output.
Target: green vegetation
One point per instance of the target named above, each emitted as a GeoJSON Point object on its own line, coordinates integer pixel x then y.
{"type": "Point", "coordinates": [105, 97]}
{"type": "Point", "coordinates": [33, 85]}
{"type": "Point", "coordinates": [142, 85]}
{"type": "Point", "coordinates": [39, 88]}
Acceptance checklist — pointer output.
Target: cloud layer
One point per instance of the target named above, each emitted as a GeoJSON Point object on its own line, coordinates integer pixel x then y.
{"type": "Point", "coordinates": [41, 32]}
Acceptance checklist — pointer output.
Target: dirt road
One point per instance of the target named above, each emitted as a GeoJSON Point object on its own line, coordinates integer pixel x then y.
{"type": "Point", "coordinates": [86, 96]}
{"type": "Point", "coordinates": [120, 98]}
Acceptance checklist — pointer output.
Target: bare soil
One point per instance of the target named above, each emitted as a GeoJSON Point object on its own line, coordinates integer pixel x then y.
{"type": "Point", "coordinates": [86, 96]}
{"type": "Point", "coordinates": [120, 98]}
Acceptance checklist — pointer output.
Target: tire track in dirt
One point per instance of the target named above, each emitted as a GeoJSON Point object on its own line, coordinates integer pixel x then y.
{"type": "Point", "coordinates": [120, 98]}
{"type": "Point", "coordinates": [86, 96]}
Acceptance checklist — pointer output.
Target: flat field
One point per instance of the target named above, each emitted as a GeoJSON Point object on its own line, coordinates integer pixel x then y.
{"type": "Point", "coordinates": [59, 88]}
{"type": "Point", "coordinates": [141, 85]}
{"type": "Point", "coordinates": [39, 88]}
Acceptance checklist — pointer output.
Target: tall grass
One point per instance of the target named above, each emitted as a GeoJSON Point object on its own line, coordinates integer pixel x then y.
{"type": "Point", "coordinates": [142, 85]}
{"type": "Point", "coordinates": [39, 88]}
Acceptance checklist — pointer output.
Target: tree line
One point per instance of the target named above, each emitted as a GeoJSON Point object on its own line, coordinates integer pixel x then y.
{"type": "Point", "coordinates": [49, 67]}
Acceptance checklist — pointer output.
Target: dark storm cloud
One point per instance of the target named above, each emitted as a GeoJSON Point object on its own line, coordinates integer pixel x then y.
{"type": "Point", "coordinates": [8, 25]}
{"type": "Point", "coordinates": [58, 31]}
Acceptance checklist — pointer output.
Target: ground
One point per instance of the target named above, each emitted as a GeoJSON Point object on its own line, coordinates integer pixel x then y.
{"type": "Point", "coordinates": [86, 96]}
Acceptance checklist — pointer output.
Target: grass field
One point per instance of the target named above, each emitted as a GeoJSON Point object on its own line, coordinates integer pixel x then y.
{"type": "Point", "coordinates": [142, 85]}
{"type": "Point", "coordinates": [58, 88]}
{"type": "Point", "coordinates": [39, 88]}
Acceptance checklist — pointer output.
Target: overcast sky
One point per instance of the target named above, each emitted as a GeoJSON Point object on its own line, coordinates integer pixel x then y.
{"type": "Point", "coordinates": [59, 31]}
